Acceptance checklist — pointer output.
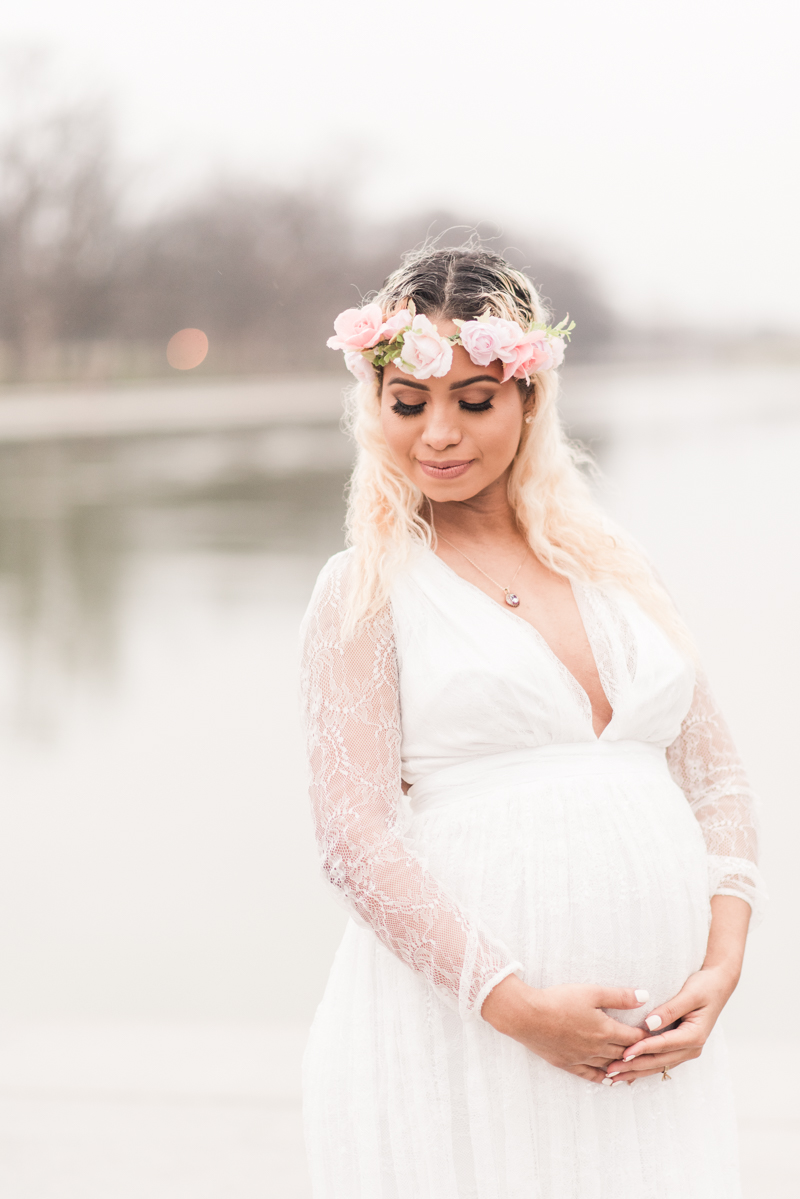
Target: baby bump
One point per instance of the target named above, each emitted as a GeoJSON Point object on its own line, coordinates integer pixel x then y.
{"type": "Point", "coordinates": [587, 876]}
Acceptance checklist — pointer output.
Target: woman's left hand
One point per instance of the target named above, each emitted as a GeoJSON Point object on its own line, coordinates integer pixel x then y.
{"type": "Point", "coordinates": [699, 1002]}
{"type": "Point", "coordinates": [697, 1007]}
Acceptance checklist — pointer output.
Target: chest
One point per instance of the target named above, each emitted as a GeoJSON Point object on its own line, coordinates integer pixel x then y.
{"type": "Point", "coordinates": [478, 678]}
{"type": "Point", "coordinates": [547, 603]}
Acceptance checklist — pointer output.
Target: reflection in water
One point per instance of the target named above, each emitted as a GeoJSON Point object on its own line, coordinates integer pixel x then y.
{"type": "Point", "coordinates": [157, 849]}
{"type": "Point", "coordinates": [76, 516]}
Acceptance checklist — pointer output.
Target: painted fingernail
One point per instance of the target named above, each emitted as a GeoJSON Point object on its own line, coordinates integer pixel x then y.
{"type": "Point", "coordinates": [653, 1022]}
{"type": "Point", "coordinates": [642, 996]}
{"type": "Point", "coordinates": [619, 1083]}
{"type": "Point", "coordinates": [612, 1073]}
{"type": "Point", "coordinates": [629, 1058]}
{"type": "Point", "coordinates": [606, 1082]}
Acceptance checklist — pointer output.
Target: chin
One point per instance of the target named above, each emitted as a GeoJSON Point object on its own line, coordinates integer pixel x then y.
{"type": "Point", "coordinates": [449, 492]}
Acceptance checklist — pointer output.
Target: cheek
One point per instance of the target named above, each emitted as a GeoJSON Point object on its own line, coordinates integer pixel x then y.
{"type": "Point", "coordinates": [500, 442]}
{"type": "Point", "coordinates": [397, 434]}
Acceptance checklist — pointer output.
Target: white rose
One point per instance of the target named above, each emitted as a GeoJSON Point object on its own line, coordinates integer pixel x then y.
{"type": "Point", "coordinates": [425, 353]}
{"type": "Point", "coordinates": [357, 364]}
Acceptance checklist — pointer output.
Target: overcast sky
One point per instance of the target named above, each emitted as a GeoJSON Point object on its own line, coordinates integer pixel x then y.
{"type": "Point", "coordinates": [657, 141]}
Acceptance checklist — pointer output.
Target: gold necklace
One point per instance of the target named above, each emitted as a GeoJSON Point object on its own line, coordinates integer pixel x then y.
{"type": "Point", "coordinates": [512, 599]}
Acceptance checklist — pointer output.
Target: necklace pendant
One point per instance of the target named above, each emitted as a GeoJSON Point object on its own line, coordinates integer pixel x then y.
{"type": "Point", "coordinates": [512, 600]}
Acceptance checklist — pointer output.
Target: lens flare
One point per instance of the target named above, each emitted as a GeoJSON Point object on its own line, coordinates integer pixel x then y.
{"type": "Point", "coordinates": [187, 349]}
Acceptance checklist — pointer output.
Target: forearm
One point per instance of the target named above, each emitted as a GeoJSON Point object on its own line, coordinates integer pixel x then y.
{"type": "Point", "coordinates": [389, 888]}
{"type": "Point", "coordinates": [727, 937]}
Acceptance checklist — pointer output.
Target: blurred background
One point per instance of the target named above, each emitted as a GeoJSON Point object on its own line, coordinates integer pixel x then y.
{"type": "Point", "coordinates": [188, 196]}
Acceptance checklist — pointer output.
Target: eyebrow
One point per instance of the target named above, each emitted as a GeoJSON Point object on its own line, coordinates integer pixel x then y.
{"type": "Point", "coordinates": [453, 386]}
{"type": "Point", "coordinates": [474, 379]}
{"type": "Point", "coordinates": [408, 383]}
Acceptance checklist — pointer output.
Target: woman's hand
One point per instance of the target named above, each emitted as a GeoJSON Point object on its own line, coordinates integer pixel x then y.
{"type": "Point", "coordinates": [565, 1025]}
{"type": "Point", "coordinates": [697, 1005]}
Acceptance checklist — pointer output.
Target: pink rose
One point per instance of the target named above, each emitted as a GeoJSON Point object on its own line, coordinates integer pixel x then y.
{"type": "Point", "coordinates": [537, 352]}
{"type": "Point", "coordinates": [489, 338]}
{"type": "Point", "coordinates": [357, 364]}
{"type": "Point", "coordinates": [508, 334]}
{"type": "Point", "coordinates": [424, 351]}
{"type": "Point", "coordinates": [481, 341]}
{"type": "Point", "coordinates": [395, 324]}
{"type": "Point", "coordinates": [357, 328]}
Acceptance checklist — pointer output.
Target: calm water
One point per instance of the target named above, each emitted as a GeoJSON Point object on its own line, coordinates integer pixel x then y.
{"type": "Point", "coordinates": [157, 857]}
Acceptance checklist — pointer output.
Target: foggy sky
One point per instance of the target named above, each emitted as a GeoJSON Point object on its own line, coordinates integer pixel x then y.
{"type": "Point", "coordinates": [659, 141]}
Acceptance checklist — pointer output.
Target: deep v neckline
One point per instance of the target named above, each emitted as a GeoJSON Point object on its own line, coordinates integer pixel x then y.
{"type": "Point", "coordinates": [544, 644]}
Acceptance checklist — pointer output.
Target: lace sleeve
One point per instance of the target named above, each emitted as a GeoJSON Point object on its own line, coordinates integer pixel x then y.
{"type": "Point", "coordinates": [352, 712]}
{"type": "Point", "coordinates": [704, 763]}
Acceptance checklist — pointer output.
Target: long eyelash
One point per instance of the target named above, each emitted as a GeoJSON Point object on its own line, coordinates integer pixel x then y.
{"type": "Point", "coordinates": [407, 409]}
{"type": "Point", "coordinates": [484, 406]}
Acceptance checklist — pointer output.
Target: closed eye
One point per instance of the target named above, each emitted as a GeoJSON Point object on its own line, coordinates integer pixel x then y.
{"type": "Point", "coordinates": [407, 409]}
{"type": "Point", "coordinates": [404, 409]}
{"type": "Point", "coordinates": [483, 406]}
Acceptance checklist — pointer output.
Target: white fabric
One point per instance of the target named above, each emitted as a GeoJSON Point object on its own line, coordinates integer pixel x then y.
{"type": "Point", "coordinates": [525, 844]}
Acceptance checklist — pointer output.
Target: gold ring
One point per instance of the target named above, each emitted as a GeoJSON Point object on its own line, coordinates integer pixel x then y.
{"type": "Point", "coordinates": [664, 1075]}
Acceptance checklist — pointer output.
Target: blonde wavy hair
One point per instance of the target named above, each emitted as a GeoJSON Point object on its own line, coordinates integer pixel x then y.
{"type": "Point", "coordinates": [547, 489]}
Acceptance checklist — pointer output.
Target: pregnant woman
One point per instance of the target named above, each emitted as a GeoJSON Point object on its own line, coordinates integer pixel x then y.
{"type": "Point", "coordinates": [522, 789]}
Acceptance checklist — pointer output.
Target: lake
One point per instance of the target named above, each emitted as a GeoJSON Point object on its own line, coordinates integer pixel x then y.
{"type": "Point", "coordinates": [157, 869]}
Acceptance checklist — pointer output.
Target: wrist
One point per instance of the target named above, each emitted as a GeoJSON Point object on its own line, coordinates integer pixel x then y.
{"type": "Point", "coordinates": [509, 1004]}
{"type": "Point", "coordinates": [727, 973]}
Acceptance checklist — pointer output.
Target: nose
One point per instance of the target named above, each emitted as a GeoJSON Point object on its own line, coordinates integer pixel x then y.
{"type": "Point", "coordinates": [441, 429]}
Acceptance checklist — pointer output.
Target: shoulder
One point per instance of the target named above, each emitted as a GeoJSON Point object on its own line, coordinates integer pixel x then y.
{"type": "Point", "coordinates": [333, 647]}
{"type": "Point", "coordinates": [341, 576]}
{"type": "Point", "coordinates": [331, 579]}
{"type": "Point", "coordinates": [324, 614]}
{"type": "Point", "coordinates": [328, 595]}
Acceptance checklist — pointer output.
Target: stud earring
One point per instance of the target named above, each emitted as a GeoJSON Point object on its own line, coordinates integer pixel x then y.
{"type": "Point", "coordinates": [529, 418]}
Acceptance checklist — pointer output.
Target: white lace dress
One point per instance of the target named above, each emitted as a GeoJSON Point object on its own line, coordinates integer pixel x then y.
{"type": "Point", "coordinates": [525, 844]}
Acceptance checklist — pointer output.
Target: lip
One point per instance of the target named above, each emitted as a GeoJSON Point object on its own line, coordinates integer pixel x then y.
{"type": "Point", "coordinates": [445, 470]}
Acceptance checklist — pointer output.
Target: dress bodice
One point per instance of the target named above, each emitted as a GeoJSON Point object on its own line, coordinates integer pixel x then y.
{"type": "Point", "coordinates": [442, 675]}
{"type": "Point", "coordinates": [477, 679]}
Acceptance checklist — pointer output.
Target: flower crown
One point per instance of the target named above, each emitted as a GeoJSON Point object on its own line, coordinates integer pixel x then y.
{"type": "Point", "coordinates": [414, 344]}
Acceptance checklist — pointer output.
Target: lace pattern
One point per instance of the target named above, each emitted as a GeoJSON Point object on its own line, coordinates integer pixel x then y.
{"type": "Point", "coordinates": [704, 763]}
{"type": "Point", "coordinates": [352, 712]}
{"type": "Point", "coordinates": [611, 637]}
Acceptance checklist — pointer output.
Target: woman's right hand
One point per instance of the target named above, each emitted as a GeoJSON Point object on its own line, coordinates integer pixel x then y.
{"type": "Point", "coordinates": [565, 1025]}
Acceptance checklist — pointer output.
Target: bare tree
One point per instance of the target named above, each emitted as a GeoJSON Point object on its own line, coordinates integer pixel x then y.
{"type": "Point", "coordinates": [58, 225]}
{"type": "Point", "coordinates": [261, 269]}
